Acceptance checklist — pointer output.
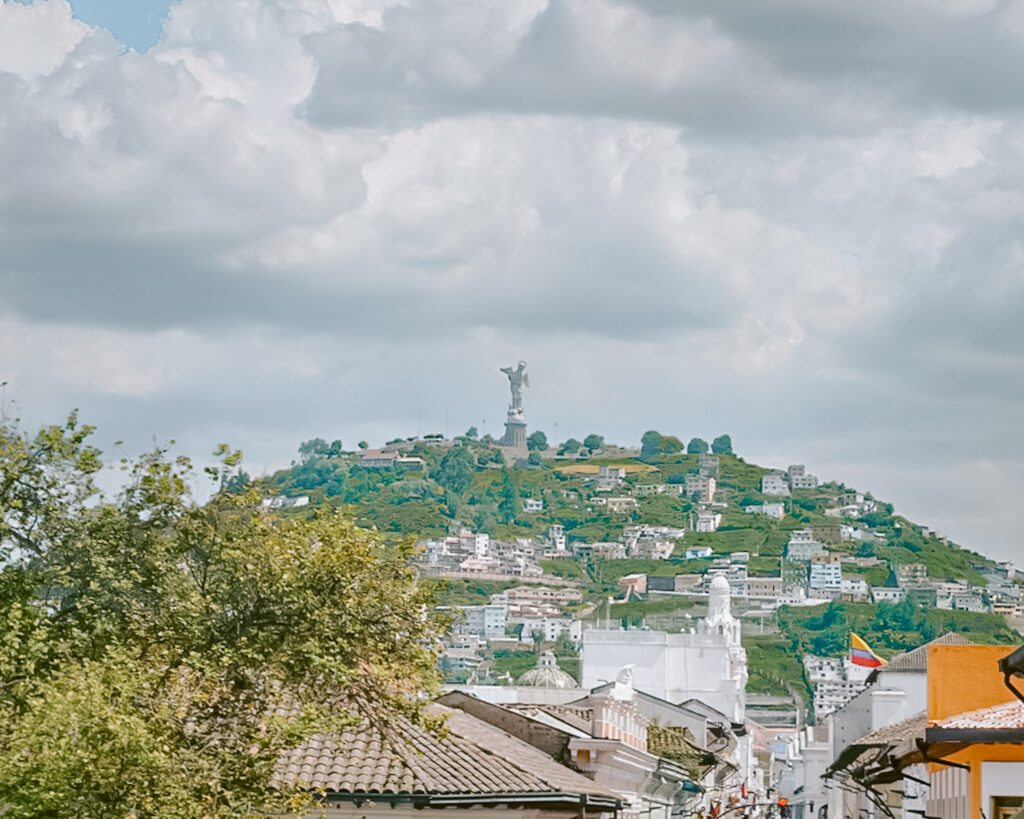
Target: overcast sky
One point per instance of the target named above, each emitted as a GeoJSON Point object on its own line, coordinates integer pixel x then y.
{"type": "Point", "coordinates": [795, 221]}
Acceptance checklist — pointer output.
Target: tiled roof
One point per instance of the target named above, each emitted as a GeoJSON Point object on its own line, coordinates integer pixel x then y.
{"type": "Point", "coordinates": [472, 758]}
{"type": "Point", "coordinates": [917, 659]}
{"type": "Point", "coordinates": [994, 718]}
{"type": "Point", "coordinates": [897, 732]}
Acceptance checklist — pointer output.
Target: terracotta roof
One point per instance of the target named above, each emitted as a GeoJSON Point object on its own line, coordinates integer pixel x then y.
{"type": "Point", "coordinates": [897, 732]}
{"type": "Point", "coordinates": [994, 718]}
{"type": "Point", "coordinates": [870, 756]}
{"type": "Point", "coordinates": [472, 758]}
{"type": "Point", "coordinates": [917, 659]}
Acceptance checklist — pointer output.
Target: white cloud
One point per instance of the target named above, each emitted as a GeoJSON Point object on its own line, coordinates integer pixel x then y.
{"type": "Point", "coordinates": [36, 38]}
{"type": "Point", "coordinates": [304, 217]}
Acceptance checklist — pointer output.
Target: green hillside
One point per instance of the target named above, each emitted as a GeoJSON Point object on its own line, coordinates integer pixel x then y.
{"type": "Point", "coordinates": [466, 483]}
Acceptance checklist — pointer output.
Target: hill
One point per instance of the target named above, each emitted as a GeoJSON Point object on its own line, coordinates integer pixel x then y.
{"type": "Point", "coordinates": [431, 487]}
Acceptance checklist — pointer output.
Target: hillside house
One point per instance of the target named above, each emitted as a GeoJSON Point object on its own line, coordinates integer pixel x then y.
{"type": "Point", "coordinates": [772, 510]}
{"type": "Point", "coordinates": [620, 506]}
{"type": "Point", "coordinates": [798, 478]}
{"type": "Point", "coordinates": [707, 465]}
{"type": "Point", "coordinates": [377, 459]}
{"type": "Point", "coordinates": [708, 521]}
{"type": "Point", "coordinates": [826, 572]}
{"type": "Point", "coordinates": [802, 546]}
{"type": "Point", "coordinates": [889, 592]}
{"type": "Point", "coordinates": [774, 483]}
{"type": "Point", "coordinates": [634, 584]}
{"type": "Point", "coordinates": [766, 589]}
{"type": "Point", "coordinates": [702, 487]}
{"type": "Point", "coordinates": [609, 477]}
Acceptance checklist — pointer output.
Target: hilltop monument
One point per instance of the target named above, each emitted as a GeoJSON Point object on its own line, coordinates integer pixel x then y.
{"type": "Point", "coordinates": [515, 424]}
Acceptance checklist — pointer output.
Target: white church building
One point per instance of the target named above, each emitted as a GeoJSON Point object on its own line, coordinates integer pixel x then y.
{"type": "Point", "coordinates": [707, 663]}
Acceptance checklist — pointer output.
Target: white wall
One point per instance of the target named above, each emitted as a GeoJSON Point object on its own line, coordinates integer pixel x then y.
{"type": "Point", "coordinates": [1000, 779]}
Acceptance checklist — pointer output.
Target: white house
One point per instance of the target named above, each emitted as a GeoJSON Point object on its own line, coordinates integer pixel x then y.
{"type": "Point", "coordinates": [774, 483]}
{"type": "Point", "coordinates": [772, 510]}
{"type": "Point", "coordinates": [708, 521]}
{"type": "Point", "coordinates": [798, 477]}
{"type": "Point", "coordinates": [826, 572]}
{"type": "Point", "coordinates": [802, 546]}
{"type": "Point", "coordinates": [533, 505]}
{"type": "Point", "coordinates": [702, 486]}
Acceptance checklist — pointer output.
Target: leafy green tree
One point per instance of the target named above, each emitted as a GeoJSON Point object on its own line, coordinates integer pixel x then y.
{"type": "Point", "coordinates": [363, 445]}
{"type": "Point", "coordinates": [571, 446]}
{"type": "Point", "coordinates": [650, 444]}
{"type": "Point", "coordinates": [537, 441]}
{"type": "Point", "coordinates": [697, 446]}
{"type": "Point", "coordinates": [593, 442]}
{"type": "Point", "coordinates": [149, 641]}
{"type": "Point", "coordinates": [534, 459]}
{"type": "Point", "coordinates": [509, 506]}
{"type": "Point", "coordinates": [472, 433]}
{"type": "Point", "coordinates": [722, 445]}
{"type": "Point", "coordinates": [335, 449]}
{"type": "Point", "coordinates": [238, 482]}
{"type": "Point", "coordinates": [669, 445]}
{"type": "Point", "coordinates": [313, 448]}
{"type": "Point", "coordinates": [489, 457]}
{"type": "Point", "coordinates": [455, 472]}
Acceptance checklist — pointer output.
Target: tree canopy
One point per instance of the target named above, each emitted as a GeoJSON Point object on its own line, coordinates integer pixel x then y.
{"type": "Point", "coordinates": [697, 446]}
{"type": "Point", "coordinates": [537, 441]}
{"type": "Point", "coordinates": [158, 654]}
{"type": "Point", "coordinates": [722, 445]}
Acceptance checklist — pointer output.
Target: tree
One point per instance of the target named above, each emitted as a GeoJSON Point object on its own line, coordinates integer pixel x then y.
{"type": "Point", "coordinates": [697, 446]}
{"type": "Point", "coordinates": [363, 445]}
{"type": "Point", "coordinates": [313, 448]}
{"type": "Point", "coordinates": [149, 640]}
{"type": "Point", "coordinates": [669, 445]}
{"type": "Point", "coordinates": [650, 443]}
{"type": "Point", "coordinates": [455, 472]}
{"type": "Point", "coordinates": [537, 441]}
{"type": "Point", "coordinates": [722, 445]}
{"type": "Point", "coordinates": [472, 433]}
{"type": "Point", "coordinates": [509, 506]}
{"type": "Point", "coordinates": [335, 449]}
{"type": "Point", "coordinates": [593, 442]}
{"type": "Point", "coordinates": [571, 446]}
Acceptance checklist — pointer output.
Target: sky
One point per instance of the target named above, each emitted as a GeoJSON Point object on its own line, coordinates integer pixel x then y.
{"type": "Point", "coordinates": [261, 221]}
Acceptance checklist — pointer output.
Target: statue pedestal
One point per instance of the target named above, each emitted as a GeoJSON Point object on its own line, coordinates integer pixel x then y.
{"type": "Point", "coordinates": [515, 432]}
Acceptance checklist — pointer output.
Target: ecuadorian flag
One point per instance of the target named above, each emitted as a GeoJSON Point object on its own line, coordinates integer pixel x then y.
{"type": "Point", "coordinates": [861, 653]}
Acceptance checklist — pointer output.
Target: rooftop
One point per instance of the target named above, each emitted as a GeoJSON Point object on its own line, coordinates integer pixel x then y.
{"type": "Point", "coordinates": [994, 718]}
{"type": "Point", "coordinates": [917, 659]}
{"type": "Point", "coordinates": [470, 757]}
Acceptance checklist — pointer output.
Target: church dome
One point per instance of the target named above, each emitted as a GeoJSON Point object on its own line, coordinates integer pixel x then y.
{"type": "Point", "coordinates": [547, 674]}
{"type": "Point", "coordinates": [719, 583]}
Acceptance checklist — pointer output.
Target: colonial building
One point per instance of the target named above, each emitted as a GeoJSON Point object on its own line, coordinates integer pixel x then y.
{"type": "Point", "coordinates": [708, 663]}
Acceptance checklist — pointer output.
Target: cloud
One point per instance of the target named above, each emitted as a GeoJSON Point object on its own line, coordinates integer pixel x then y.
{"type": "Point", "coordinates": [794, 223]}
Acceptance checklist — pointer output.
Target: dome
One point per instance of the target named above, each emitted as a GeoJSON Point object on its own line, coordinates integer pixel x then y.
{"type": "Point", "coordinates": [719, 583]}
{"type": "Point", "coordinates": [547, 674]}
